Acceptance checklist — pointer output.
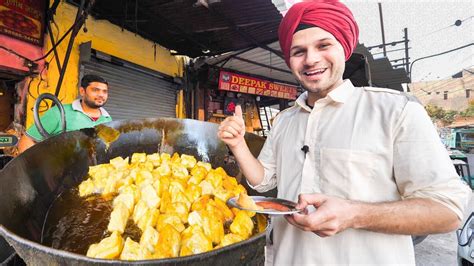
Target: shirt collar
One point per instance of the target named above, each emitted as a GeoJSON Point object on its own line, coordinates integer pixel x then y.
{"type": "Point", "coordinates": [76, 106]}
{"type": "Point", "coordinates": [339, 95]}
{"type": "Point", "coordinates": [301, 101]}
{"type": "Point", "coordinates": [342, 93]}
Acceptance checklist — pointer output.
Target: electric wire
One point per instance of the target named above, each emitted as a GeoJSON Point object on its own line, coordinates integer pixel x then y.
{"type": "Point", "coordinates": [433, 88]}
{"type": "Point", "coordinates": [426, 96]}
{"type": "Point", "coordinates": [415, 38]}
{"type": "Point", "coordinates": [433, 55]}
{"type": "Point", "coordinates": [57, 43]}
{"type": "Point", "coordinates": [454, 58]}
{"type": "Point", "coordinates": [15, 53]}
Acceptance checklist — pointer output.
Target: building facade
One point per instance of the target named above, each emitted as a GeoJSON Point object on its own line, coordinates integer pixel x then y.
{"type": "Point", "coordinates": [450, 94]}
{"type": "Point", "coordinates": [134, 66]}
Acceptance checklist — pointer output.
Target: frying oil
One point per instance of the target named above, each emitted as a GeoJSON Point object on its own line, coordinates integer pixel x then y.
{"type": "Point", "coordinates": [74, 223]}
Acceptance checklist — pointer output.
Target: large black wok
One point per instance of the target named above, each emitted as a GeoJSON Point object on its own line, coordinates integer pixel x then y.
{"type": "Point", "coordinates": [30, 183]}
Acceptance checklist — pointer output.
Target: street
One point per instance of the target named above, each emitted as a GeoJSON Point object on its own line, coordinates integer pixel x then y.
{"type": "Point", "coordinates": [440, 249]}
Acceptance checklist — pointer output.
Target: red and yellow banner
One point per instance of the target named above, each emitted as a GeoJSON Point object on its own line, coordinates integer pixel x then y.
{"type": "Point", "coordinates": [239, 83]}
{"type": "Point", "coordinates": [23, 19]}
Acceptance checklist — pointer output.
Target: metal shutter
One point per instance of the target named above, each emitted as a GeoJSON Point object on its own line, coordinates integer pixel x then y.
{"type": "Point", "coordinates": [134, 94]}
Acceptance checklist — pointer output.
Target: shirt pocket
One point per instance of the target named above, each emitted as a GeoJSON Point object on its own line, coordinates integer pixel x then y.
{"type": "Point", "coordinates": [349, 174]}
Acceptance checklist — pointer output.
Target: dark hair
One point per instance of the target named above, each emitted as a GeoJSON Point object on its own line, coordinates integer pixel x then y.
{"type": "Point", "coordinates": [87, 79]}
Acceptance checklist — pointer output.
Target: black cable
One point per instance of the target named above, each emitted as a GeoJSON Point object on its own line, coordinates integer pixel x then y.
{"type": "Point", "coordinates": [15, 53]}
{"type": "Point", "coordinates": [28, 88]}
{"type": "Point", "coordinates": [429, 56]}
{"type": "Point", "coordinates": [416, 38]}
{"type": "Point", "coordinates": [46, 66]}
{"type": "Point", "coordinates": [51, 37]}
{"type": "Point", "coordinates": [57, 44]}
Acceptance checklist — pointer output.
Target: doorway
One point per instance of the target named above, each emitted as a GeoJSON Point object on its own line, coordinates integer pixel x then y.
{"type": "Point", "coordinates": [7, 103]}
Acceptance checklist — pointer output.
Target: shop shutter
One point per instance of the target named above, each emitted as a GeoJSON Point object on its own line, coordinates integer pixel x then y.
{"type": "Point", "coordinates": [134, 93]}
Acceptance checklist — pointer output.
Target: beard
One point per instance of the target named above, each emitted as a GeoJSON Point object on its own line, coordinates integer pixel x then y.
{"type": "Point", "coordinates": [321, 88]}
{"type": "Point", "coordinates": [92, 104]}
{"type": "Point", "coordinates": [319, 92]}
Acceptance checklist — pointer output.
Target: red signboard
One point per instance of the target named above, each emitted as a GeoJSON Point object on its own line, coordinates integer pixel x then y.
{"type": "Point", "coordinates": [23, 19]}
{"type": "Point", "coordinates": [239, 83]}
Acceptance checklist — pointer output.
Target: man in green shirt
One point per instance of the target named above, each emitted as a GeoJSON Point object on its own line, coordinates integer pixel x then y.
{"type": "Point", "coordinates": [82, 113]}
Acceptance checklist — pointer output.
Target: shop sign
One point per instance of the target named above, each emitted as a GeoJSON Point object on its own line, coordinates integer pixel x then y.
{"type": "Point", "coordinates": [244, 84]}
{"type": "Point", "coordinates": [23, 19]}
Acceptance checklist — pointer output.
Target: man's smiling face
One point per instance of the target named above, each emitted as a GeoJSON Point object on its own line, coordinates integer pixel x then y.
{"type": "Point", "coordinates": [317, 61]}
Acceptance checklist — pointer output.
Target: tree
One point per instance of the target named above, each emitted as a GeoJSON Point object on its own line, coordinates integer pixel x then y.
{"type": "Point", "coordinates": [469, 112]}
{"type": "Point", "coordinates": [439, 114]}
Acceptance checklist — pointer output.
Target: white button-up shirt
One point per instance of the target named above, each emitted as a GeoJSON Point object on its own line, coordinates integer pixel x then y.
{"type": "Point", "coordinates": [366, 144]}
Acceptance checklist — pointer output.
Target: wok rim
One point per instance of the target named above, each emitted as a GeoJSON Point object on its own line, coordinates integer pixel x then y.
{"type": "Point", "coordinates": [83, 258]}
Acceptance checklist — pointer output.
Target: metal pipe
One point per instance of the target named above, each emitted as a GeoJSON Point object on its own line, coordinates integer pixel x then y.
{"type": "Point", "coordinates": [78, 22]}
{"type": "Point", "coordinates": [51, 13]}
{"type": "Point", "coordinates": [53, 43]}
{"type": "Point", "coordinates": [259, 116]}
{"type": "Point", "coordinates": [266, 117]}
{"type": "Point", "coordinates": [383, 31]}
{"type": "Point", "coordinates": [59, 41]}
{"type": "Point", "coordinates": [37, 119]}
{"type": "Point", "coordinates": [407, 61]}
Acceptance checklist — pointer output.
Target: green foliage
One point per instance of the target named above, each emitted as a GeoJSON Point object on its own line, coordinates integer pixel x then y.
{"type": "Point", "coordinates": [439, 114]}
{"type": "Point", "coordinates": [469, 112]}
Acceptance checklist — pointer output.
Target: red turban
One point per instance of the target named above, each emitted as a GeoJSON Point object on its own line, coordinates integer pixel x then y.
{"type": "Point", "coordinates": [329, 15]}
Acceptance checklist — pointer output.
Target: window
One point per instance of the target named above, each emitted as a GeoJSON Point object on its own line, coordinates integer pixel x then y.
{"type": "Point", "coordinates": [445, 95]}
{"type": "Point", "coordinates": [468, 93]}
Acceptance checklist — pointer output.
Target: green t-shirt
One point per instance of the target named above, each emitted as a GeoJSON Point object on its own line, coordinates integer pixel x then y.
{"type": "Point", "coordinates": [75, 119]}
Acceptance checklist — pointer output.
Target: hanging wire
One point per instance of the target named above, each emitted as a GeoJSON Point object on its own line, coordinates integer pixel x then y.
{"type": "Point", "coordinates": [452, 60]}
{"type": "Point", "coordinates": [15, 53]}
{"type": "Point", "coordinates": [57, 44]}
{"type": "Point", "coordinates": [457, 23]}
{"type": "Point", "coordinates": [433, 55]}
{"type": "Point", "coordinates": [438, 86]}
{"type": "Point", "coordinates": [469, 71]}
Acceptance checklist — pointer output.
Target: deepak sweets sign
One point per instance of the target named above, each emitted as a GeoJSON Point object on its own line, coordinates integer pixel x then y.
{"type": "Point", "coordinates": [229, 81]}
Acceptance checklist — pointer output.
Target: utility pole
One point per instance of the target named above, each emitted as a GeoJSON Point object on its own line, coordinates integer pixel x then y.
{"type": "Point", "coordinates": [383, 31]}
{"type": "Point", "coordinates": [407, 58]}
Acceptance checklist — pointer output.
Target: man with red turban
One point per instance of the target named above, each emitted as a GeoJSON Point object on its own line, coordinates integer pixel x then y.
{"type": "Point", "coordinates": [365, 164]}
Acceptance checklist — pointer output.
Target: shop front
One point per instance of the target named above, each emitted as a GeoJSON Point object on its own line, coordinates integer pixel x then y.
{"type": "Point", "coordinates": [135, 91]}
{"type": "Point", "coordinates": [41, 51]}
{"type": "Point", "coordinates": [128, 61]}
{"type": "Point", "coordinates": [224, 89]}
{"type": "Point", "coordinates": [21, 38]}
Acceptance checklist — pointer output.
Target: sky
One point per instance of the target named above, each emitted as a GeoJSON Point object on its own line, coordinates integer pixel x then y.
{"type": "Point", "coordinates": [431, 30]}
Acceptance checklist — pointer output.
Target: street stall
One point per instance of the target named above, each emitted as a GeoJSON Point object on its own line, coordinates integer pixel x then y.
{"type": "Point", "coordinates": [54, 55]}
{"type": "Point", "coordinates": [239, 89]}
{"type": "Point", "coordinates": [21, 36]}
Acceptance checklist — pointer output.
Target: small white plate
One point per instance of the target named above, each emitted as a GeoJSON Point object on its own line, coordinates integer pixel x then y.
{"type": "Point", "coordinates": [284, 203]}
